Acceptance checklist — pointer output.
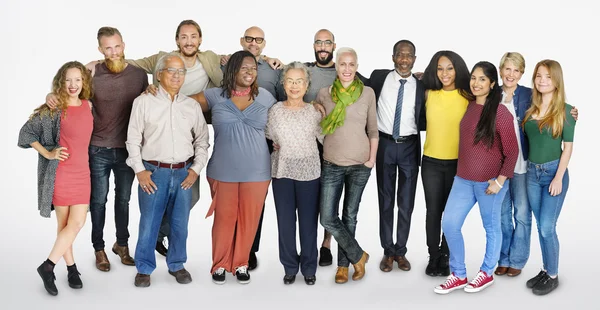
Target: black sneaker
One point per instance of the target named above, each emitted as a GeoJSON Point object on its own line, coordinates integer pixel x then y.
{"type": "Point", "coordinates": [218, 276]}
{"type": "Point", "coordinates": [432, 267]}
{"type": "Point", "coordinates": [242, 275]}
{"type": "Point", "coordinates": [545, 285]}
{"type": "Point", "coordinates": [48, 279]}
{"type": "Point", "coordinates": [325, 258]}
{"type": "Point", "coordinates": [443, 265]}
{"type": "Point", "coordinates": [533, 281]}
{"type": "Point", "coordinates": [73, 277]}
{"type": "Point", "coordinates": [252, 261]}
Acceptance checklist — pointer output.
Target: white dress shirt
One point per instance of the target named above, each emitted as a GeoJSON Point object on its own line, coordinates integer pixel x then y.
{"type": "Point", "coordinates": [166, 131]}
{"type": "Point", "coordinates": [386, 105]}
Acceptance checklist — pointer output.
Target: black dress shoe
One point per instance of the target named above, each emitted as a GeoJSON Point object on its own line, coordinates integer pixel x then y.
{"type": "Point", "coordinates": [161, 249]}
{"type": "Point", "coordinates": [48, 279]}
{"type": "Point", "coordinates": [73, 277]}
{"type": "Point", "coordinates": [432, 267]}
{"type": "Point", "coordinates": [287, 279]}
{"type": "Point", "coordinates": [252, 261]}
{"type": "Point", "coordinates": [325, 257]}
{"type": "Point", "coordinates": [310, 280]}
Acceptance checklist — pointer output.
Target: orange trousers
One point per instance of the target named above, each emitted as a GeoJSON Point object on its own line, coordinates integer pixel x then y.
{"type": "Point", "coordinates": [237, 207]}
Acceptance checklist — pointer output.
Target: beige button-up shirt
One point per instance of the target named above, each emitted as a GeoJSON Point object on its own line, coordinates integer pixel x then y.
{"type": "Point", "coordinates": [166, 131]}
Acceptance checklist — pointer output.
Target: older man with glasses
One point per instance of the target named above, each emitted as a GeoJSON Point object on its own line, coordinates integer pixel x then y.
{"type": "Point", "coordinates": [167, 163]}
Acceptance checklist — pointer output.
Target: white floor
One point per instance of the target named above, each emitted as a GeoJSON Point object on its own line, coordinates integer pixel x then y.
{"type": "Point", "coordinates": [27, 239]}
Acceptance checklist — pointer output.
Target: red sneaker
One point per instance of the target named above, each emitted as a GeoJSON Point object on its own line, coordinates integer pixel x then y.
{"type": "Point", "coordinates": [481, 281]}
{"type": "Point", "coordinates": [452, 283]}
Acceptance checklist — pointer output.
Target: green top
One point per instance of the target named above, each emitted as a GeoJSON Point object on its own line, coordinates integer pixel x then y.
{"type": "Point", "coordinates": [543, 147]}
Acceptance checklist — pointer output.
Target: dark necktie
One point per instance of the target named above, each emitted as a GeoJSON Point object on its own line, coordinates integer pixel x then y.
{"type": "Point", "coordinates": [398, 114]}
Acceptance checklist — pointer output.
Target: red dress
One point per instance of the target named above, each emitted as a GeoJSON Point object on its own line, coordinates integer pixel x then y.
{"type": "Point", "coordinates": [72, 185]}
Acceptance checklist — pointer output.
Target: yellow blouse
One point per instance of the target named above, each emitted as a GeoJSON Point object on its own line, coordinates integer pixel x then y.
{"type": "Point", "coordinates": [445, 110]}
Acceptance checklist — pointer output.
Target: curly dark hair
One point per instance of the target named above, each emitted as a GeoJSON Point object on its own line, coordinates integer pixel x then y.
{"type": "Point", "coordinates": [232, 69]}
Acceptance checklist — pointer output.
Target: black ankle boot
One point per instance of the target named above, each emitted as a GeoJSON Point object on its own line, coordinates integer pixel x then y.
{"type": "Point", "coordinates": [73, 277]}
{"type": "Point", "coordinates": [46, 272]}
{"type": "Point", "coordinates": [443, 265]}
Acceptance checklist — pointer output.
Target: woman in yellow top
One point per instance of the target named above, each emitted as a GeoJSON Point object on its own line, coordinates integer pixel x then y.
{"type": "Point", "coordinates": [447, 94]}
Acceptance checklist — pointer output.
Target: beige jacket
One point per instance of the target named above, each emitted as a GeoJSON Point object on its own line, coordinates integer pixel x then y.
{"type": "Point", "coordinates": [209, 60]}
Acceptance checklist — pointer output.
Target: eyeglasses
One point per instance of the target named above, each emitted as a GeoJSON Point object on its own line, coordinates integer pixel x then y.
{"type": "Point", "coordinates": [172, 71]}
{"type": "Point", "coordinates": [326, 42]}
{"type": "Point", "coordinates": [249, 39]}
{"type": "Point", "coordinates": [299, 82]}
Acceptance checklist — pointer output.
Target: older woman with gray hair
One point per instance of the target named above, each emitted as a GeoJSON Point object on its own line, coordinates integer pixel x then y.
{"type": "Point", "coordinates": [295, 168]}
{"type": "Point", "coordinates": [349, 151]}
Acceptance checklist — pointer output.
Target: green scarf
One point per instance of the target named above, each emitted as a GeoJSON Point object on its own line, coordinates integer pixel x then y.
{"type": "Point", "coordinates": [342, 97]}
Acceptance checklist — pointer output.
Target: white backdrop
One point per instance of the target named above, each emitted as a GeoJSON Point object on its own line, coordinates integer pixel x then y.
{"type": "Point", "coordinates": [39, 36]}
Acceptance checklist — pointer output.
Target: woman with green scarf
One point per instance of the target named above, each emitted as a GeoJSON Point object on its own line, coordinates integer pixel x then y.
{"type": "Point", "coordinates": [349, 151]}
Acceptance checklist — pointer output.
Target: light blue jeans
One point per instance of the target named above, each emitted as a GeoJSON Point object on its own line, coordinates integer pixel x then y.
{"type": "Point", "coordinates": [463, 196]}
{"type": "Point", "coordinates": [546, 209]}
{"type": "Point", "coordinates": [516, 238]}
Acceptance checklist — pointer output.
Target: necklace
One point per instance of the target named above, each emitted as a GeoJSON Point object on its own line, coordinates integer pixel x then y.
{"type": "Point", "coordinates": [241, 93]}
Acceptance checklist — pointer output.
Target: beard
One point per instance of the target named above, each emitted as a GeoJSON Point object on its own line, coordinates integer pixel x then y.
{"type": "Point", "coordinates": [116, 66]}
{"type": "Point", "coordinates": [325, 61]}
{"type": "Point", "coordinates": [192, 54]}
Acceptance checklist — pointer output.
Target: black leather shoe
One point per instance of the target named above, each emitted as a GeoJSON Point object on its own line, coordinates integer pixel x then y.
{"type": "Point", "coordinates": [545, 285]}
{"type": "Point", "coordinates": [287, 279]}
{"type": "Point", "coordinates": [325, 257]}
{"type": "Point", "coordinates": [161, 249]}
{"type": "Point", "coordinates": [443, 267]}
{"type": "Point", "coordinates": [310, 280]}
{"type": "Point", "coordinates": [252, 261]}
{"type": "Point", "coordinates": [73, 277]}
{"type": "Point", "coordinates": [48, 279]}
{"type": "Point", "coordinates": [432, 267]}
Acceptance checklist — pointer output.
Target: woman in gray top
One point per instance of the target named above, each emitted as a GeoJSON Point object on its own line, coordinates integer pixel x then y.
{"type": "Point", "coordinates": [349, 152]}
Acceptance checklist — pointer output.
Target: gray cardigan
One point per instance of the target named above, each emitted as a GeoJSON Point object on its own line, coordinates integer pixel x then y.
{"type": "Point", "coordinates": [46, 131]}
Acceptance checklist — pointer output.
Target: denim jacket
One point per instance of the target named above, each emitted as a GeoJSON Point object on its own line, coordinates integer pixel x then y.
{"type": "Point", "coordinates": [522, 102]}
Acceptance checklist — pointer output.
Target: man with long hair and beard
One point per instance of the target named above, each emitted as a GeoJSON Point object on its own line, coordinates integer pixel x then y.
{"type": "Point", "coordinates": [116, 85]}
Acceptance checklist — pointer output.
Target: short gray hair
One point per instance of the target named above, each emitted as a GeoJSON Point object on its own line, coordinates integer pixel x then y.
{"type": "Point", "coordinates": [296, 65]}
{"type": "Point", "coordinates": [345, 50]}
{"type": "Point", "coordinates": [162, 62]}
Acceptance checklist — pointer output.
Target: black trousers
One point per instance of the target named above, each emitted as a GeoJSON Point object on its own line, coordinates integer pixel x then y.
{"type": "Point", "coordinates": [438, 176]}
{"type": "Point", "coordinates": [396, 161]}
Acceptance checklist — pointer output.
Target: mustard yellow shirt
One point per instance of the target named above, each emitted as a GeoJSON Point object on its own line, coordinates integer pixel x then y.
{"type": "Point", "coordinates": [444, 110]}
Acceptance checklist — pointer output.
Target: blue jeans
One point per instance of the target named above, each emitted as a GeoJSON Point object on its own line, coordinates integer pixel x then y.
{"type": "Point", "coordinates": [516, 239]}
{"type": "Point", "coordinates": [333, 180]}
{"type": "Point", "coordinates": [463, 196]}
{"type": "Point", "coordinates": [169, 199]}
{"type": "Point", "coordinates": [546, 209]}
{"type": "Point", "coordinates": [102, 161]}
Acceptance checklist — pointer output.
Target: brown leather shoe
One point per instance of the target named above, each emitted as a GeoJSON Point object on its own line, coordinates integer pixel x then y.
{"type": "Point", "coordinates": [142, 280]}
{"type": "Point", "coordinates": [387, 263]}
{"type": "Point", "coordinates": [359, 267]}
{"type": "Point", "coordinates": [182, 276]}
{"type": "Point", "coordinates": [102, 262]}
{"type": "Point", "coordinates": [341, 275]}
{"type": "Point", "coordinates": [123, 252]}
{"type": "Point", "coordinates": [513, 272]}
{"type": "Point", "coordinates": [500, 271]}
{"type": "Point", "coordinates": [403, 263]}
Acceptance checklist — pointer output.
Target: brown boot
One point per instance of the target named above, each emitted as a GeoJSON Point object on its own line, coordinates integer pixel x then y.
{"type": "Point", "coordinates": [341, 275]}
{"type": "Point", "coordinates": [102, 262]}
{"type": "Point", "coordinates": [123, 252]}
{"type": "Point", "coordinates": [359, 267]}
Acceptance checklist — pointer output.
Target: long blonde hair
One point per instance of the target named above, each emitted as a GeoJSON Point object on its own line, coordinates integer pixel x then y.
{"type": "Point", "coordinates": [59, 89]}
{"type": "Point", "coordinates": [555, 115]}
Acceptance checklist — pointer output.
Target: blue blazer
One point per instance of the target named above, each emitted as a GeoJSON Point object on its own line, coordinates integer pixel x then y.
{"type": "Point", "coordinates": [522, 102]}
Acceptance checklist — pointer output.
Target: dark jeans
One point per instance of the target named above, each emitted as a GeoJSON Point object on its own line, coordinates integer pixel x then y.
{"type": "Point", "coordinates": [396, 161]}
{"type": "Point", "coordinates": [352, 180]}
{"type": "Point", "coordinates": [293, 196]}
{"type": "Point", "coordinates": [437, 176]}
{"type": "Point", "coordinates": [102, 161]}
